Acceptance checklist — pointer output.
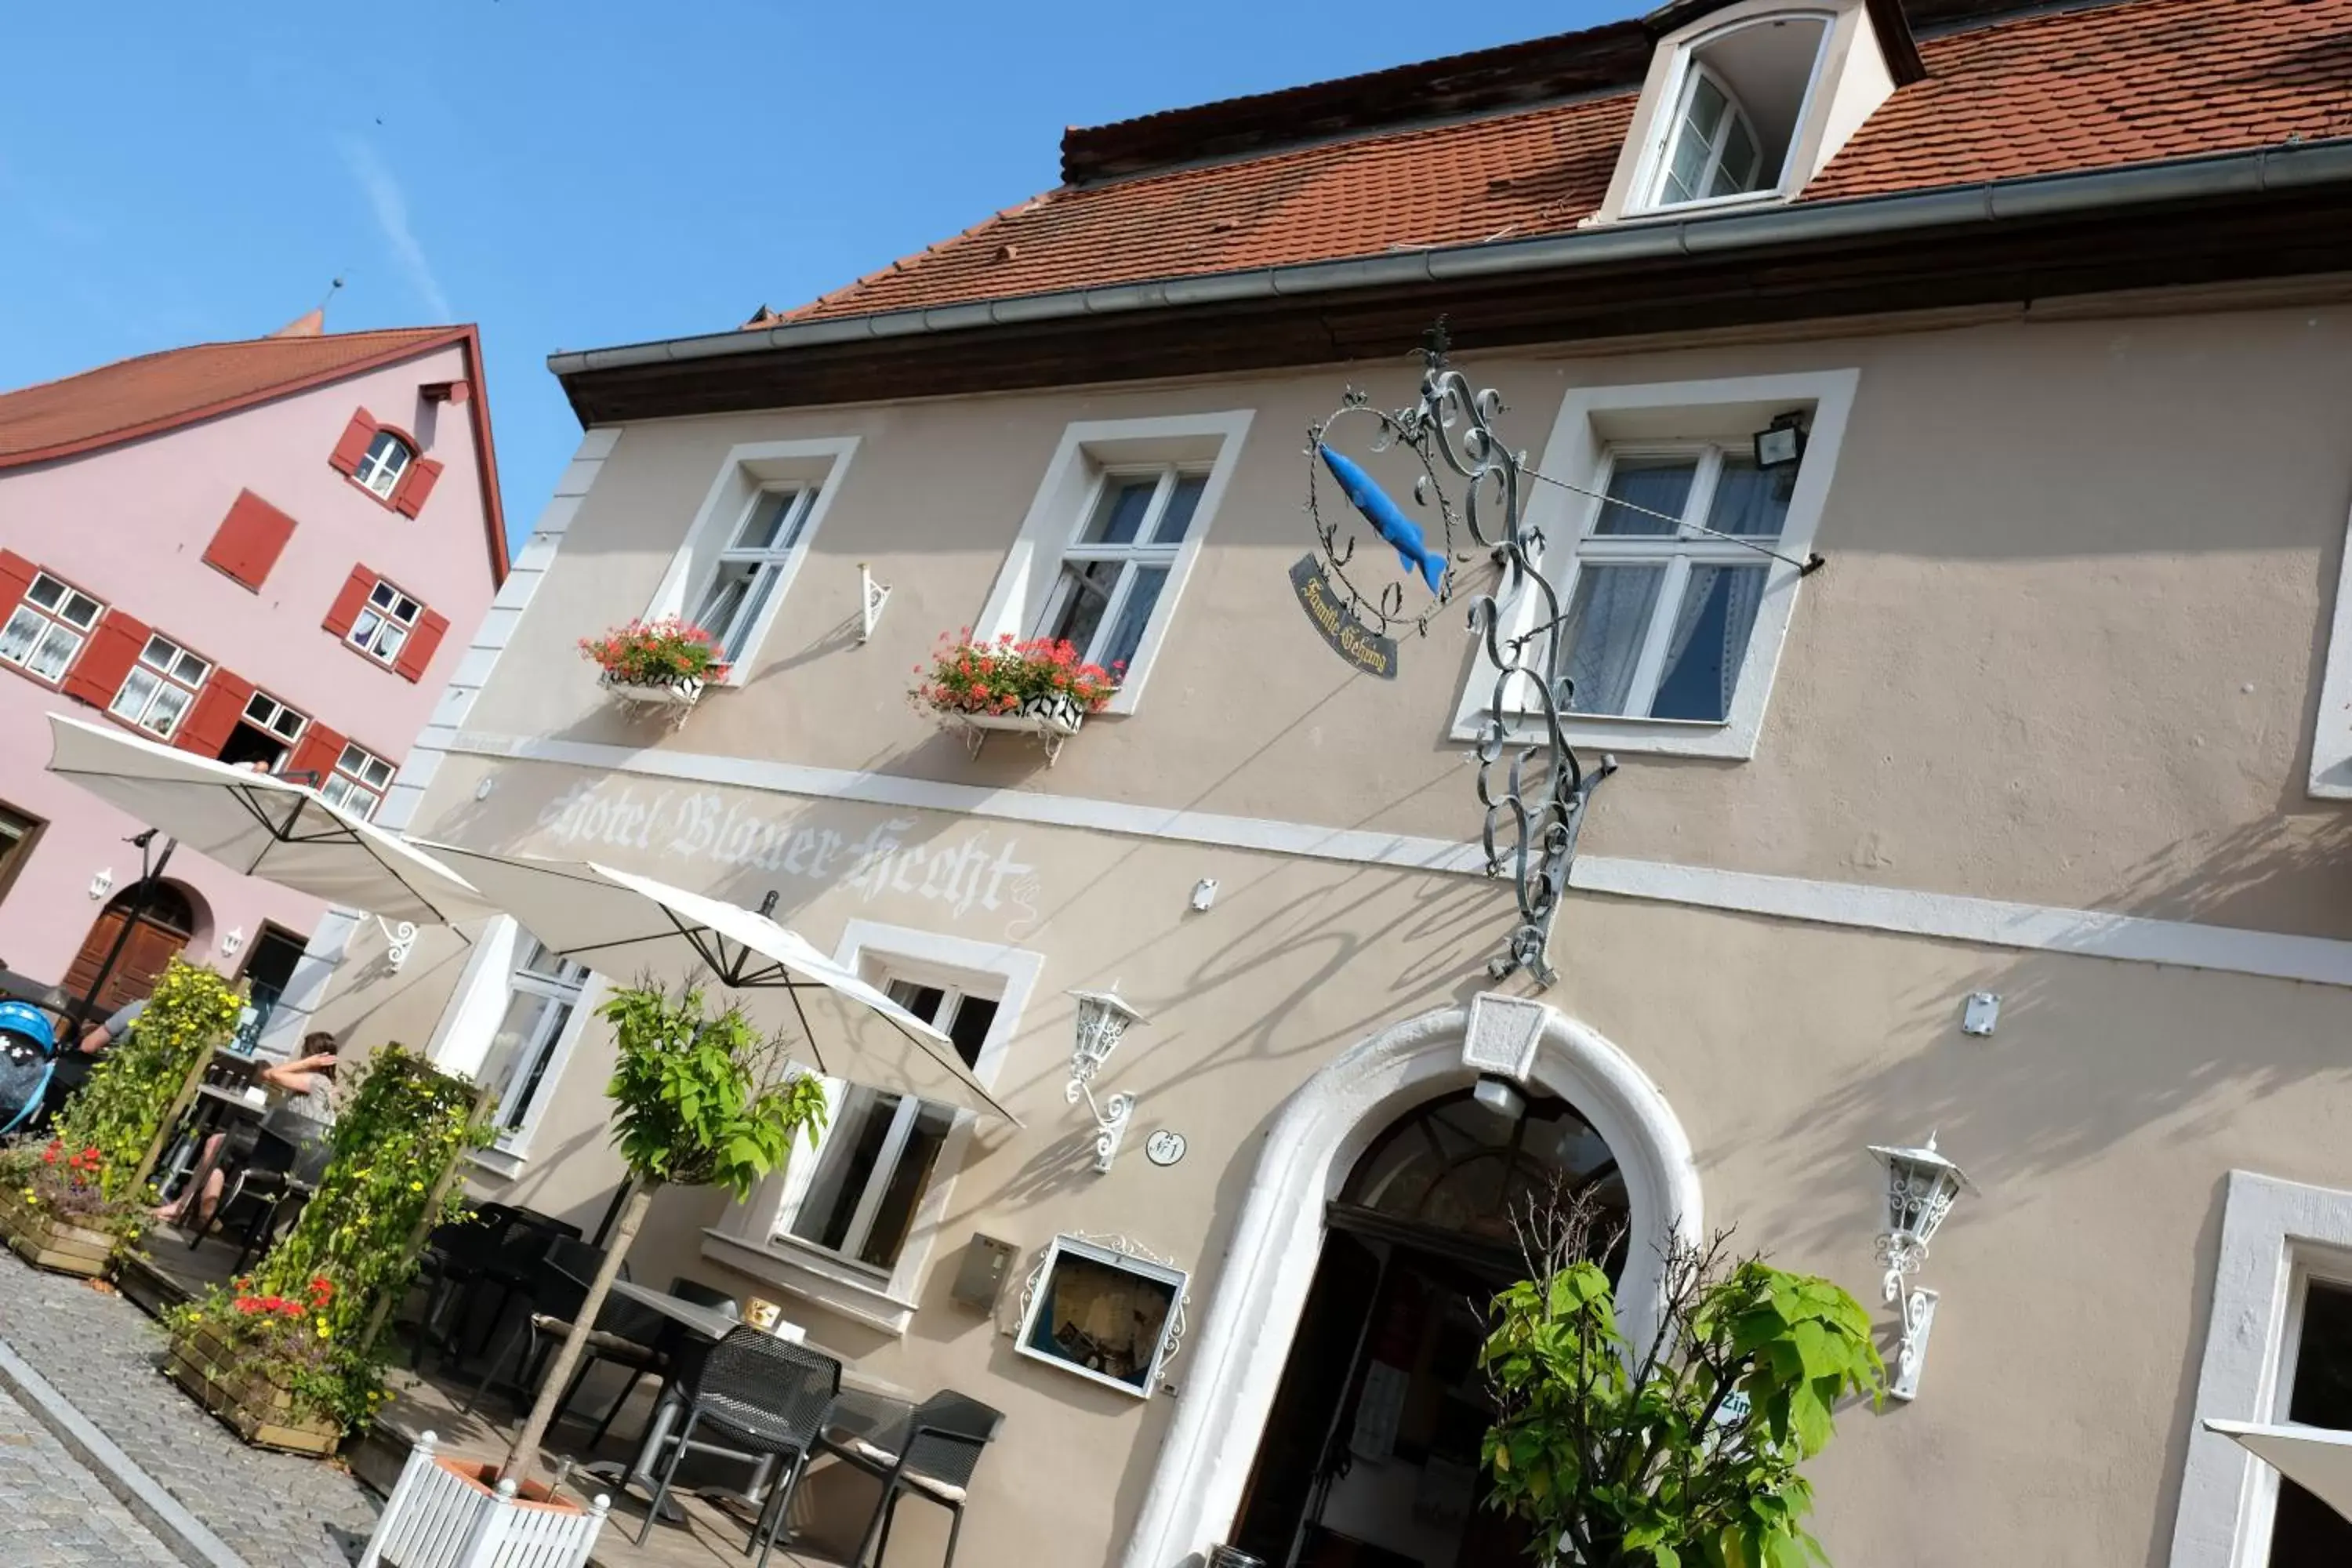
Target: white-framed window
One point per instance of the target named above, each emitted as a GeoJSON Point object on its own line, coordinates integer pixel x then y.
{"type": "Point", "coordinates": [387, 458]}
{"type": "Point", "coordinates": [263, 734]}
{"type": "Point", "coordinates": [1672, 633]}
{"type": "Point", "coordinates": [1662, 604]}
{"type": "Point", "coordinates": [358, 783]}
{"type": "Point", "coordinates": [733, 571]}
{"type": "Point", "coordinates": [543, 994]}
{"type": "Point", "coordinates": [1712, 149]}
{"type": "Point", "coordinates": [47, 628]}
{"type": "Point", "coordinates": [748, 570]}
{"type": "Point", "coordinates": [2278, 1351]}
{"type": "Point", "coordinates": [851, 1219]}
{"type": "Point", "coordinates": [880, 1148]}
{"type": "Point", "coordinates": [161, 687]}
{"type": "Point", "coordinates": [1112, 535]}
{"type": "Point", "coordinates": [1741, 115]}
{"type": "Point", "coordinates": [384, 622]}
{"type": "Point", "coordinates": [1115, 568]}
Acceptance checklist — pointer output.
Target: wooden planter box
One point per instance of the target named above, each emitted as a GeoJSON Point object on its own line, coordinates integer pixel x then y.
{"type": "Point", "coordinates": [248, 1404]}
{"type": "Point", "coordinates": [46, 1241]}
{"type": "Point", "coordinates": [455, 1513]}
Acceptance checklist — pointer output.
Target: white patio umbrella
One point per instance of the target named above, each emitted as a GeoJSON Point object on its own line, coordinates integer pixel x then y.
{"type": "Point", "coordinates": [626, 925]}
{"type": "Point", "coordinates": [2313, 1457]}
{"type": "Point", "coordinates": [260, 825]}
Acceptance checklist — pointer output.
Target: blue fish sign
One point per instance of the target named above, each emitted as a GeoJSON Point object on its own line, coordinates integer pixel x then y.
{"type": "Point", "coordinates": [1388, 519]}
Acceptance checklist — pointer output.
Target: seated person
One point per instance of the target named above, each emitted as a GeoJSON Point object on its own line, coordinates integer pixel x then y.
{"type": "Point", "coordinates": [303, 1088]}
{"type": "Point", "coordinates": [73, 1064]}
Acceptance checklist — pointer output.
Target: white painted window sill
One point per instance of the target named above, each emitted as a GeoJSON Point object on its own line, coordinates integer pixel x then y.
{"type": "Point", "coordinates": [1654, 737]}
{"type": "Point", "coordinates": [505, 1164]}
{"type": "Point", "coordinates": [813, 1276]}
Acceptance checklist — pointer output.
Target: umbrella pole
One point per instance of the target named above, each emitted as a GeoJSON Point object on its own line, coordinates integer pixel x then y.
{"type": "Point", "coordinates": [122, 938]}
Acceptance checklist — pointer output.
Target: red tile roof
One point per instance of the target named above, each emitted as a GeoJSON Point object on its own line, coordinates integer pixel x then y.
{"type": "Point", "coordinates": [145, 396]}
{"type": "Point", "coordinates": [2046, 93]}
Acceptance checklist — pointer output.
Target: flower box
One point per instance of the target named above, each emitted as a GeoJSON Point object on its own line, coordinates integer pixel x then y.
{"type": "Point", "coordinates": [47, 1241]}
{"type": "Point", "coordinates": [453, 1513]}
{"type": "Point", "coordinates": [254, 1406]}
{"type": "Point", "coordinates": [1050, 715]}
{"type": "Point", "coordinates": [684, 691]}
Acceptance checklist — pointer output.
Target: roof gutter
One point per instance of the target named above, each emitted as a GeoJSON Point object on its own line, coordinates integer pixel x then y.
{"type": "Point", "coordinates": [2287, 167]}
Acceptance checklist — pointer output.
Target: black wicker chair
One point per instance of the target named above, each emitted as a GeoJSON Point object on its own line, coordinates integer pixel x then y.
{"type": "Point", "coordinates": [932, 1456]}
{"type": "Point", "coordinates": [766, 1397]}
{"type": "Point", "coordinates": [510, 1269]}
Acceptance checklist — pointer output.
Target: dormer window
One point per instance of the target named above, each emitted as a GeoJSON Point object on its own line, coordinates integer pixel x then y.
{"type": "Point", "coordinates": [1740, 101]}
{"type": "Point", "coordinates": [1715, 151]}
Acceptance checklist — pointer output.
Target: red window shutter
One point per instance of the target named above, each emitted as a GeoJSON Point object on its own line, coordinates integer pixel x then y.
{"type": "Point", "coordinates": [408, 496]}
{"type": "Point", "coordinates": [247, 542]}
{"type": "Point", "coordinates": [345, 611]}
{"type": "Point", "coordinates": [113, 648]}
{"type": "Point", "coordinates": [16, 579]}
{"type": "Point", "coordinates": [315, 754]}
{"type": "Point", "coordinates": [218, 709]}
{"type": "Point", "coordinates": [354, 444]}
{"type": "Point", "coordinates": [417, 651]}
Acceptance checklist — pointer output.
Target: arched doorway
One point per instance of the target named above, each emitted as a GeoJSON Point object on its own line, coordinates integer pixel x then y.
{"type": "Point", "coordinates": [165, 923]}
{"type": "Point", "coordinates": [1270, 1258]}
{"type": "Point", "coordinates": [1370, 1456]}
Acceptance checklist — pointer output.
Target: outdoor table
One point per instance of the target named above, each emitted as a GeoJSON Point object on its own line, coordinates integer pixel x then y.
{"type": "Point", "coordinates": [691, 1319]}
{"type": "Point", "coordinates": [215, 1108]}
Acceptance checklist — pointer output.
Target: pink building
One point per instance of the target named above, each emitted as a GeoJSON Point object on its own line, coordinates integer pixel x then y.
{"type": "Point", "coordinates": [271, 551]}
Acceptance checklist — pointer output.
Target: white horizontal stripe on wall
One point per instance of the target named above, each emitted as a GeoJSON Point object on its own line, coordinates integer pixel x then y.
{"type": "Point", "coordinates": [1991, 922]}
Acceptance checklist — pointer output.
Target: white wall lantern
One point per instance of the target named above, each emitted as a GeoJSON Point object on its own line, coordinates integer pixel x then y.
{"type": "Point", "coordinates": [1921, 1187]}
{"type": "Point", "coordinates": [103, 883]}
{"type": "Point", "coordinates": [1103, 1020]}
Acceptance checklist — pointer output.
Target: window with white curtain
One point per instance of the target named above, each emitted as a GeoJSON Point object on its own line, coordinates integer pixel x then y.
{"type": "Point", "coordinates": [1659, 613]}
{"type": "Point", "coordinates": [47, 628]}
{"type": "Point", "coordinates": [161, 687]}
{"type": "Point", "coordinates": [876, 1156]}
{"type": "Point", "coordinates": [542, 997]}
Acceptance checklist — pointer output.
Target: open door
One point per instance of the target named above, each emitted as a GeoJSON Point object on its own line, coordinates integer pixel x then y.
{"type": "Point", "coordinates": [1314, 1382]}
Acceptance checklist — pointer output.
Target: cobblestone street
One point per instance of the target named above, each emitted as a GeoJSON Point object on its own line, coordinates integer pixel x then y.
{"type": "Point", "coordinates": [101, 1354]}
{"type": "Point", "coordinates": [54, 1511]}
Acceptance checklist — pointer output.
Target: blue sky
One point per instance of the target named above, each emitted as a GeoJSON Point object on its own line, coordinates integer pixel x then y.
{"type": "Point", "coordinates": [576, 174]}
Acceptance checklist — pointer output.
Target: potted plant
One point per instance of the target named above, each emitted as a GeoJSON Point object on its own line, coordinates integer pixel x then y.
{"type": "Point", "coordinates": [698, 1100]}
{"type": "Point", "coordinates": [662, 663]}
{"type": "Point", "coordinates": [55, 1211]}
{"type": "Point", "coordinates": [1040, 686]}
{"type": "Point", "coordinates": [73, 1203]}
{"type": "Point", "coordinates": [1681, 1450]}
{"type": "Point", "coordinates": [290, 1357]}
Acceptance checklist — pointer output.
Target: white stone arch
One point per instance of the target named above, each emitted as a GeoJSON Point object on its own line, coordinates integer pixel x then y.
{"type": "Point", "coordinates": [1311, 1145]}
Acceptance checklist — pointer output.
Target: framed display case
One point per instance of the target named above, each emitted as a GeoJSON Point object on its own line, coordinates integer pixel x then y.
{"type": "Point", "coordinates": [1105, 1310]}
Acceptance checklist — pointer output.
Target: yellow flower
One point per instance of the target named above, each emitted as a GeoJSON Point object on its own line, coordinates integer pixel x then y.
{"type": "Point", "coordinates": [323, 1332]}
{"type": "Point", "coordinates": [416, 1186]}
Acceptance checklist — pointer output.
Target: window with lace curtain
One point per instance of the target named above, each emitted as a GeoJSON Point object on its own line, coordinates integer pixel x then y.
{"type": "Point", "coordinates": [1659, 614]}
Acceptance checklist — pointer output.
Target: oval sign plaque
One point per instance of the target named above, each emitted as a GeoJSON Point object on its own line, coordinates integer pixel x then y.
{"type": "Point", "coordinates": [1164, 1148]}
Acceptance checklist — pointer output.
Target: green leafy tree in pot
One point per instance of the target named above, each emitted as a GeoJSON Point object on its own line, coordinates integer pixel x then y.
{"type": "Point", "coordinates": [701, 1102]}
{"type": "Point", "coordinates": [1683, 1451]}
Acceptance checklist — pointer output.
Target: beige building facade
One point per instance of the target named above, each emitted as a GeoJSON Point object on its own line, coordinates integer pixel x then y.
{"type": "Point", "coordinates": [2062, 719]}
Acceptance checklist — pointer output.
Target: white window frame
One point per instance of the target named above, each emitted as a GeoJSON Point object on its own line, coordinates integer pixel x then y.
{"type": "Point", "coordinates": [161, 676]}
{"type": "Point", "coordinates": [2276, 1237]}
{"type": "Point", "coordinates": [468, 1031]}
{"type": "Point", "coordinates": [245, 716]}
{"type": "Point", "coordinates": [1133, 558]}
{"type": "Point", "coordinates": [1030, 578]}
{"type": "Point", "coordinates": [747, 475]}
{"type": "Point", "coordinates": [378, 475]}
{"type": "Point", "coordinates": [1659, 129]}
{"type": "Point", "coordinates": [772, 562]}
{"type": "Point", "coordinates": [1593, 419]}
{"type": "Point", "coordinates": [350, 772]}
{"type": "Point", "coordinates": [369, 626]}
{"type": "Point", "coordinates": [1735, 113]}
{"type": "Point", "coordinates": [754, 1237]}
{"type": "Point", "coordinates": [2331, 738]}
{"type": "Point", "coordinates": [56, 619]}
